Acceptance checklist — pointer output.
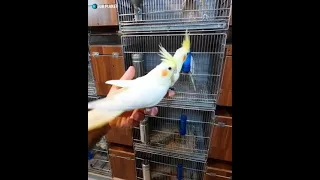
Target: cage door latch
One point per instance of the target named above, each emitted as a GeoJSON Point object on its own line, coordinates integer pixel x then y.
{"type": "Point", "coordinates": [221, 124]}
{"type": "Point", "coordinates": [115, 54]}
{"type": "Point", "coordinates": [211, 174]}
{"type": "Point", "coordinates": [95, 54]}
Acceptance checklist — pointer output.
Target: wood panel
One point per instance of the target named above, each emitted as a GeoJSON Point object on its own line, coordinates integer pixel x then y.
{"type": "Point", "coordinates": [103, 16]}
{"type": "Point", "coordinates": [227, 74]}
{"type": "Point", "coordinates": [225, 96]}
{"type": "Point", "coordinates": [106, 68]}
{"type": "Point", "coordinates": [122, 162]}
{"type": "Point", "coordinates": [106, 49]}
{"type": "Point", "coordinates": [120, 136]}
{"type": "Point", "coordinates": [229, 35]}
{"type": "Point", "coordinates": [217, 170]}
{"type": "Point", "coordinates": [221, 140]}
{"type": "Point", "coordinates": [229, 50]}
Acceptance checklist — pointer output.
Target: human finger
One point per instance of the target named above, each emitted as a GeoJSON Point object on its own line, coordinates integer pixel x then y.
{"type": "Point", "coordinates": [137, 115]}
{"type": "Point", "coordinates": [170, 93]}
{"type": "Point", "coordinates": [128, 75]}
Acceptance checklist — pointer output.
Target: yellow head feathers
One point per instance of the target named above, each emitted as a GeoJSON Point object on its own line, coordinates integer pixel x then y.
{"type": "Point", "coordinates": [186, 42]}
{"type": "Point", "coordinates": [167, 57]}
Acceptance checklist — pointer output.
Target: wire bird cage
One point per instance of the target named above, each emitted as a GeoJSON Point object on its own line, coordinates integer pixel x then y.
{"type": "Point", "coordinates": [197, 89]}
{"type": "Point", "coordinates": [93, 98]}
{"type": "Point", "coordinates": [91, 83]}
{"type": "Point", "coordinates": [173, 15]}
{"type": "Point", "coordinates": [98, 159]}
{"type": "Point", "coordinates": [176, 131]}
{"type": "Point", "coordinates": [155, 167]}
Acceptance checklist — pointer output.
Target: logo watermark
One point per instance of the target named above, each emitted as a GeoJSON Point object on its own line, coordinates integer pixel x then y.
{"type": "Point", "coordinates": [103, 6]}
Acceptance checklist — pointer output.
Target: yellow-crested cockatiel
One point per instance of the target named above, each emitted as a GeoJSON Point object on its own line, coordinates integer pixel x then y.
{"type": "Point", "coordinates": [143, 92]}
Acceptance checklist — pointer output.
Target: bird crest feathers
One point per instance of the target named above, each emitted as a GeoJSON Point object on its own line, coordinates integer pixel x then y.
{"type": "Point", "coordinates": [167, 57]}
{"type": "Point", "coordinates": [186, 42]}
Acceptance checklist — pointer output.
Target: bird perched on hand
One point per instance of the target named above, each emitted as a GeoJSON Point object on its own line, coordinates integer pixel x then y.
{"type": "Point", "coordinates": [148, 91]}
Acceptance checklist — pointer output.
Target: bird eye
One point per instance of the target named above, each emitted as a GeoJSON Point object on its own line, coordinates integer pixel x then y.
{"type": "Point", "coordinates": [169, 68]}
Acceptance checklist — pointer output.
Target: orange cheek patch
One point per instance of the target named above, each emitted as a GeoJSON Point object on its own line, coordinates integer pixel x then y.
{"type": "Point", "coordinates": [184, 57]}
{"type": "Point", "coordinates": [164, 73]}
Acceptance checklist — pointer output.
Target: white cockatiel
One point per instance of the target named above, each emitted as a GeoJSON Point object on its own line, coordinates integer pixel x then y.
{"type": "Point", "coordinates": [180, 56]}
{"type": "Point", "coordinates": [143, 92]}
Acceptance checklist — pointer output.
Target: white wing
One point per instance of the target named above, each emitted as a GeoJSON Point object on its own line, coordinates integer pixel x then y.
{"type": "Point", "coordinates": [125, 83]}
{"type": "Point", "coordinates": [121, 83]}
{"type": "Point", "coordinates": [131, 98]}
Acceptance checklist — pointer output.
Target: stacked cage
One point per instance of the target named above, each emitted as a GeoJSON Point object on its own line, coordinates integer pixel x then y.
{"type": "Point", "coordinates": [98, 160]}
{"type": "Point", "coordinates": [174, 144]}
{"type": "Point", "coordinates": [91, 85]}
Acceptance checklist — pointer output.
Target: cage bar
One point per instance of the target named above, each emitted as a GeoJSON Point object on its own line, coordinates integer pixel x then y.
{"type": "Point", "coordinates": [168, 168]}
{"type": "Point", "coordinates": [197, 89]}
{"type": "Point", "coordinates": [164, 134]}
{"type": "Point", "coordinates": [173, 15]}
{"type": "Point", "coordinates": [99, 163]}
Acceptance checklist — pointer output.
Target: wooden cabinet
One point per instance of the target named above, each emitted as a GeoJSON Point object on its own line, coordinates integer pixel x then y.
{"type": "Point", "coordinates": [120, 136]}
{"type": "Point", "coordinates": [229, 37]}
{"type": "Point", "coordinates": [221, 140]}
{"type": "Point", "coordinates": [218, 170]}
{"type": "Point", "coordinates": [107, 64]}
{"type": "Point", "coordinates": [229, 50]}
{"type": "Point", "coordinates": [102, 16]}
{"type": "Point", "coordinates": [225, 96]}
{"type": "Point", "coordinates": [122, 162]}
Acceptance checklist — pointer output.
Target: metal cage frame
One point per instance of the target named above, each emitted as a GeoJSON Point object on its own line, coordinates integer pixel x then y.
{"type": "Point", "coordinates": [197, 90]}
{"type": "Point", "coordinates": [92, 91]}
{"type": "Point", "coordinates": [173, 15]}
{"type": "Point", "coordinates": [173, 135]}
{"type": "Point", "coordinates": [150, 166]}
{"type": "Point", "coordinates": [100, 164]}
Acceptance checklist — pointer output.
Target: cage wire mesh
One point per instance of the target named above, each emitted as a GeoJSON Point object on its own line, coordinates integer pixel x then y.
{"type": "Point", "coordinates": [155, 166]}
{"type": "Point", "coordinates": [93, 98]}
{"type": "Point", "coordinates": [176, 131]}
{"type": "Point", "coordinates": [91, 84]}
{"type": "Point", "coordinates": [164, 15]}
{"type": "Point", "coordinates": [196, 90]}
{"type": "Point", "coordinates": [99, 162]}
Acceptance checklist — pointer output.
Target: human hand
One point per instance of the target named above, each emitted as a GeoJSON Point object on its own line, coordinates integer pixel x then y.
{"type": "Point", "coordinates": [126, 119]}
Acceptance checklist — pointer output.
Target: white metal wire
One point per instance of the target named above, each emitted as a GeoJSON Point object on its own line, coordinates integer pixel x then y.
{"type": "Point", "coordinates": [91, 84]}
{"type": "Point", "coordinates": [166, 168]}
{"type": "Point", "coordinates": [197, 90]}
{"type": "Point", "coordinates": [100, 164]}
{"type": "Point", "coordinates": [164, 133]}
{"type": "Point", "coordinates": [164, 15]}
{"type": "Point", "coordinates": [93, 98]}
